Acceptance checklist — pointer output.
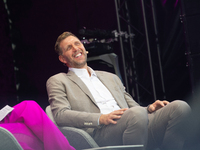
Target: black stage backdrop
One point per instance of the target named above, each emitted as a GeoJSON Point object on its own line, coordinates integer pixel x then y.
{"type": "Point", "coordinates": [36, 25]}
{"type": "Point", "coordinates": [172, 47]}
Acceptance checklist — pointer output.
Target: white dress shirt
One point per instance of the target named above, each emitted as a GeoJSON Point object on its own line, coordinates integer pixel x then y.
{"type": "Point", "coordinates": [101, 94]}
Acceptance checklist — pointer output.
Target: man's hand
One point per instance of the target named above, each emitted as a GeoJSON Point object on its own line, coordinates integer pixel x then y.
{"type": "Point", "coordinates": [157, 105]}
{"type": "Point", "coordinates": [111, 117]}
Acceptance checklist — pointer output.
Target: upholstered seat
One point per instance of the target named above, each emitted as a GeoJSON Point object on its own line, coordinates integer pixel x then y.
{"type": "Point", "coordinates": [77, 138]}
{"type": "Point", "coordinates": [8, 141]}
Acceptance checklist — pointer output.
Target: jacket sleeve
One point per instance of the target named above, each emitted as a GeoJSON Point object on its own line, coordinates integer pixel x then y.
{"type": "Point", "coordinates": [128, 98]}
{"type": "Point", "coordinates": [62, 99]}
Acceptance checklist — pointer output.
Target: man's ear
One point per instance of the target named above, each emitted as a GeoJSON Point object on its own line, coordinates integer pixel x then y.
{"type": "Point", "coordinates": [61, 58]}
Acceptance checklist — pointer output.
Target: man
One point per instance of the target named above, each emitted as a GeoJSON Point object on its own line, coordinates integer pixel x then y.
{"type": "Point", "coordinates": [97, 102]}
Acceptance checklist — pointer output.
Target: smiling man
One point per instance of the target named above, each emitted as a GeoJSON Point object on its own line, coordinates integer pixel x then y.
{"type": "Point", "coordinates": [96, 101]}
{"type": "Point", "coordinates": [73, 59]}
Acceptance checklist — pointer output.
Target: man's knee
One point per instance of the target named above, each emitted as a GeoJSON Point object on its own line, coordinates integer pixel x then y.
{"type": "Point", "coordinates": [138, 115]}
{"type": "Point", "coordinates": [181, 107]}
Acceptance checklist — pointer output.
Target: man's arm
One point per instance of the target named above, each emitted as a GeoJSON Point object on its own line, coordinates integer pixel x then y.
{"type": "Point", "coordinates": [70, 105]}
{"type": "Point", "coordinates": [128, 98]}
{"type": "Point", "coordinates": [131, 102]}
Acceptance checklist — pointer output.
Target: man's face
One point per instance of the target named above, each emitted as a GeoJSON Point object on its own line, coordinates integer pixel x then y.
{"type": "Point", "coordinates": [74, 53]}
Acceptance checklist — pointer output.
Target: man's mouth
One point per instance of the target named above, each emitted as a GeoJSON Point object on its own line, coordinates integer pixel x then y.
{"type": "Point", "coordinates": [77, 55]}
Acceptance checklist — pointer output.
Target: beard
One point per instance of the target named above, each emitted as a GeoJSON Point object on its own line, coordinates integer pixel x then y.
{"type": "Point", "coordinates": [77, 64]}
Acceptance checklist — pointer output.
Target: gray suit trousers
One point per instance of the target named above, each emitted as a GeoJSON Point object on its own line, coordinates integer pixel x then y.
{"type": "Point", "coordinates": [162, 129]}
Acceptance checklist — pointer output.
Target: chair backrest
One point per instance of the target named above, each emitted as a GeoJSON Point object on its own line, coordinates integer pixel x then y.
{"type": "Point", "coordinates": [110, 58]}
{"type": "Point", "coordinates": [8, 141]}
{"type": "Point", "coordinates": [49, 114]}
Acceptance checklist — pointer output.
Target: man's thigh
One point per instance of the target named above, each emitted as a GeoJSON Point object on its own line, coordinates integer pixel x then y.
{"type": "Point", "coordinates": [131, 125]}
{"type": "Point", "coordinates": [166, 121]}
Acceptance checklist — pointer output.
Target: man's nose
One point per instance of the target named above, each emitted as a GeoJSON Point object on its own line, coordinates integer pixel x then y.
{"type": "Point", "coordinates": [75, 47]}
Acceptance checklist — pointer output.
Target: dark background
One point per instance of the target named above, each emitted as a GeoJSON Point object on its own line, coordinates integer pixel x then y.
{"type": "Point", "coordinates": [29, 31]}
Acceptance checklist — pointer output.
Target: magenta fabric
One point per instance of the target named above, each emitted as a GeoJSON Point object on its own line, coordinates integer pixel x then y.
{"type": "Point", "coordinates": [33, 129]}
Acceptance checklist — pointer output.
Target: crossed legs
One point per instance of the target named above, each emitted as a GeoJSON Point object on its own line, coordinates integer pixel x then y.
{"type": "Point", "coordinates": [131, 129]}
{"type": "Point", "coordinates": [163, 129]}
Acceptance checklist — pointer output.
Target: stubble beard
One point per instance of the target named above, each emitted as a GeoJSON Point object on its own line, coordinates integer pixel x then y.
{"type": "Point", "coordinates": [77, 64]}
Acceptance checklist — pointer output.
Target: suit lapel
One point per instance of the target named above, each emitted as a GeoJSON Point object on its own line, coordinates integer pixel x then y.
{"type": "Point", "coordinates": [72, 76]}
{"type": "Point", "coordinates": [112, 88]}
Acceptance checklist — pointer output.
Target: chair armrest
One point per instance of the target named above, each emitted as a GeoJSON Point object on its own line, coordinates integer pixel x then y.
{"type": "Point", "coordinates": [78, 138]}
{"type": "Point", "coordinates": [119, 147]}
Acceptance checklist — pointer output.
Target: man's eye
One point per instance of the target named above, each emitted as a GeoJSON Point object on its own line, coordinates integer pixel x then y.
{"type": "Point", "coordinates": [68, 48]}
{"type": "Point", "coordinates": [77, 43]}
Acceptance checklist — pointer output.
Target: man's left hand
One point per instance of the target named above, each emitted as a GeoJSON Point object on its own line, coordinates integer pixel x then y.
{"type": "Point", "coordinates": [157, 105]}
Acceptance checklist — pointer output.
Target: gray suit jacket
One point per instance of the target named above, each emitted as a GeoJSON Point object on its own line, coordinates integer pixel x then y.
{"type": "Point", "coordinates": [72, 103]}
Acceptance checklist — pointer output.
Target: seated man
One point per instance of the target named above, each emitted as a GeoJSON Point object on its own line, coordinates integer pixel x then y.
{"type": "Point", "coordinates": [97, 102]}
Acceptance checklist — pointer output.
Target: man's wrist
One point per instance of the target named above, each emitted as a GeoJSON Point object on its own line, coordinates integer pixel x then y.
{"type": "Point", "coordinates": [148, 108]}
{"type": "Point", "coordinates": [98, 121]}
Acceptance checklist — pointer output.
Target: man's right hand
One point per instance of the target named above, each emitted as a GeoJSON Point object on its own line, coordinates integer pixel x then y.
{"type": "Point", "coordinates": [111, 118]}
